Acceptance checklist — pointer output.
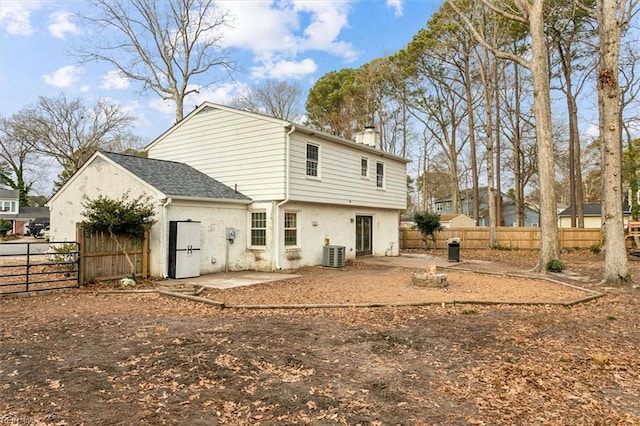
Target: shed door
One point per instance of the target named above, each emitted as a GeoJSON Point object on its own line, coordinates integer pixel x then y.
{"type": "Point", "coordinates": [364, 230]}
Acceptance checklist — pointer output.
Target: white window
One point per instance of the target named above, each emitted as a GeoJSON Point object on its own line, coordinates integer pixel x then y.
{"type": "Point", "coordinates": [290, 228]}
{"type": "Point", "coordinates": [8, 206]}
{"type": "Point", "coordinates": [380, 175]}
{"type": "Point", "coordinates": [438, 207]}
{"type": "Point", "coordinates": [364, 167]}
{"type": "Point", "coordinates": [313, 159]}
{"type": "Point", "coordinates": [259, 228]}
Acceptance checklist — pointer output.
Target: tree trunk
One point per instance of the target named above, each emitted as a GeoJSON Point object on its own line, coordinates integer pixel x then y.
{"type": "Point", "coordinates": [488, 100]}
{"type": "Point", "coordinates": [498, 147]}
{"type": "Point", "coordinates": [472, 141]}
{"type": "Point", "coordinates": [549, 240]}
{"type": "Point", "coordinates": [517, 155]}
{"type": "Point", "coordinates": [616, 267]}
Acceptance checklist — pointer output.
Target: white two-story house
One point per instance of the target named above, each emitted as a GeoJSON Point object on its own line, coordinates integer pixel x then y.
{"type": "Point", "coordinates": [301, 189]}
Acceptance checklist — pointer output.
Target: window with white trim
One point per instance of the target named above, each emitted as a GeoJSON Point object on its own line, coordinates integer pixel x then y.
{"type": "Point", "coordinates": [364, 167]}
{"type": "Point", "coordinates": [259, 228]}
{"type": "Point", "coordinates": [380, 175]}
{"type": "Point", "coordinates": [8, 206]}
{"type": "Point", "coordinates": [290, 228]}
{"type": "Point", "coordinates": [313, 160]}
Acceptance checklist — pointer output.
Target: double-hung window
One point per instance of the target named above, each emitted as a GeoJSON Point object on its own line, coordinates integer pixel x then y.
{"type": "Point", "coordinates": [290, 228]}
{"type": "Point", "coordinates": [380, 175]}
{"type": "Point", "coordinates": [364, 167]}
{"type": "Point", "coordinates": [313, 160]}
{"type": "Point", "coordinates": [258, 228]}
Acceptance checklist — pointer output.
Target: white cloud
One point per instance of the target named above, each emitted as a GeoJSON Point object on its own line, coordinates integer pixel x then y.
{"type": "Point", "coordinates": [60, 25]}
{"type": "Point", "coordinates": [163, 106]}
{"type": "Point", "coordinates": [220, 94]}
{"type": "Point", "coordinates": [396, 5]}
{"type": "Point", "coordinates": [15, 16]}
{"type": "Point", "coordinates": [327, 19]}
{"type": "Point", "coordinates": [277, 33]}
{"type": "Point", "coordinates": [590, 132]}
{"type": "Point", "coordinates": [285, 69]}
{"type": "Point", "coordinates": [114, 79]}
{"type": "Point", "coordinates": [63, 77]}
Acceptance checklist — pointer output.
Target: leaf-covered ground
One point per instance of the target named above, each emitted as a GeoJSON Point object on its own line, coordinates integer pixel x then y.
{"type": "Point", "coordinates": [77, 357]}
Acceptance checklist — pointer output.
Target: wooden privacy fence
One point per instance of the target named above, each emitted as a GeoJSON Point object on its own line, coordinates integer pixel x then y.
{"type": "Point", "coordinates": [511, 237]}
{"type": "Point", "coordinates": [101, 259]}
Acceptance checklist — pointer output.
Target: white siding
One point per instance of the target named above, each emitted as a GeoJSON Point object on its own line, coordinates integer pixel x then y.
{"type": "Point", "coordinates": [340, 181]}
{"type": "Point", "coordinates": [233, 148]}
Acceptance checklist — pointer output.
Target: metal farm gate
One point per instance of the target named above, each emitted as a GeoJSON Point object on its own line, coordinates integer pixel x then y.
{"type": "Point", "coordinates": [38, 266]}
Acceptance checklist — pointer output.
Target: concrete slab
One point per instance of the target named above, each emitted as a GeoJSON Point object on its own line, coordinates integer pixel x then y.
{"type": "Point", "coordinates": [229, 280]}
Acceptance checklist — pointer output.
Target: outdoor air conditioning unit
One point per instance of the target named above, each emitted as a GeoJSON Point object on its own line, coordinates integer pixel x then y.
{"type": "Point", "coordinates": [333, 256]}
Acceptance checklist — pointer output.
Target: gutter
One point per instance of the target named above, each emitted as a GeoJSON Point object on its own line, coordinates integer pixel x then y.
{"type": "Point", "coordinates": [276, 218]}
{"type": "Point", "coordinates": [211, 200]}
{"type": "Point", "coordinates": [163, 238]}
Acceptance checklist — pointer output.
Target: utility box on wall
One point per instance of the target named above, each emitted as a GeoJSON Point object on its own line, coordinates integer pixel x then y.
{"type": "Point", "coordinates": [184, 249]}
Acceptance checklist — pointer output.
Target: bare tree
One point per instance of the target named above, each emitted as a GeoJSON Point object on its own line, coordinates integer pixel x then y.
{"type": "Point", "coordinates": [18, 159]}
{"type": "Point", "coordinates": [613, 17]}
{"type": "Point", "coordinates": [68, 131]}
{"type": "Point", "coordinates": [530, 13]}
{"type": "Point", "coordinates": [165, 45]}
{"type": "Point", "coordinates": [279, 99]}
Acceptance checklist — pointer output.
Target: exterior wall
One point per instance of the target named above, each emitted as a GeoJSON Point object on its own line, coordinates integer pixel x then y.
{"type": "Point", "coordinates": [9, 204]}
{"type": "Point", "coordinates": [339, 178]}
{"type": "Point", "coordinates": [215, 218]}
{"type": "Point", "coordinates": [589, 222]}
{"type": "Point", "coordinates": [231, 147]}
{"type": "Point", "coordinates": [66, 208]}
{"type": "Point", "coordinates": [317, 222]}
{"type": "Point", "coordinates": [98, 178]}
{"type": "Point", "coordinates": [461, 221]}
{"type": "Point", "coordinates": [248, 151]}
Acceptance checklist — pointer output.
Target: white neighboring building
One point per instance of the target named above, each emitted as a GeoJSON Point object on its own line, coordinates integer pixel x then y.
{"type": "Point", "coordinates": [299, 189]}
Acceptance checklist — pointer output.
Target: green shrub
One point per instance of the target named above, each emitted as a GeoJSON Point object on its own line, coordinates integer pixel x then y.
{"type": "Point", "coordinates": [428, 224]}
{"type": "Point", "coordinates": [65, 253]}
{"type": "Point", "coordinates": [555, 265]}
{"type": "Point", "coordinates": [501, 247]}
{"type": "Point", "coordinates": [595, 248]}
{"type": "Point", "coordinates": [5, 227]}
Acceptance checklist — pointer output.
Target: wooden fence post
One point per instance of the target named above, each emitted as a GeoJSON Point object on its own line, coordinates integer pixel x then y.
{"type": "Point", "coordinates": [80, 239]}
{"type": "Point", "coordinates": [145, 256]}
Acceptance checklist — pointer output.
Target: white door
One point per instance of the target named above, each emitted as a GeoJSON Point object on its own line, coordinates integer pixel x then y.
{"type": "Point", "coordinates": [188, 250]}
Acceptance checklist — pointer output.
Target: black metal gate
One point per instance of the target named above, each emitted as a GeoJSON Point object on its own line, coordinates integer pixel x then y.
{"type": "Point", "coordinates": [38, 266]}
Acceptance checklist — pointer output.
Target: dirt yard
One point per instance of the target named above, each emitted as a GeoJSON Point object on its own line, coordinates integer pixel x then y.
{"type": "Point", "coordinates": [82, 358]}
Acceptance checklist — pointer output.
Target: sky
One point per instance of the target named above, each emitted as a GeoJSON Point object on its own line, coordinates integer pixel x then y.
{"type": "Point", "coordinates": [291, 40]}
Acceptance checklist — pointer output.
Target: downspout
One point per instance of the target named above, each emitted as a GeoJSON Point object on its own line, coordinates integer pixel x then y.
{"type": "Point", "coordinates": [163, 239]}
{"type": "Point", "coordinates": [276, 221]}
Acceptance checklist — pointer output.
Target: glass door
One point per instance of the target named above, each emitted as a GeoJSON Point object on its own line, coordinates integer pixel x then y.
{"type": "Point", "coordinates": [364, 230]}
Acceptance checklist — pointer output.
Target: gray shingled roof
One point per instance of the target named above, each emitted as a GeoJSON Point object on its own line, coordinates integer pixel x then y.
{"type": "Point", "coordinates": [175, 179]}
{"type": "Point", "coordinates": [589, 210]}
{"type": "Point", "coordinates": [9, 193]}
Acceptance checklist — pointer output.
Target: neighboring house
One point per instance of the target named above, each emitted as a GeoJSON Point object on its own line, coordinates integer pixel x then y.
{"type": "Point", "coordinates": [305, 189]}
{"type": "Point", "coordinates": [18, 216]}
{"type": "Point", "coordinates": [509, 211]}
{"type": "Point", "coordinates": [592, 216]}
{"type": "Point", "coordinates": [10, 206]}
{"type": "Point", "coordinates": [177, 191]}
{"type": "Point", "coordinates": [456, 220]}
